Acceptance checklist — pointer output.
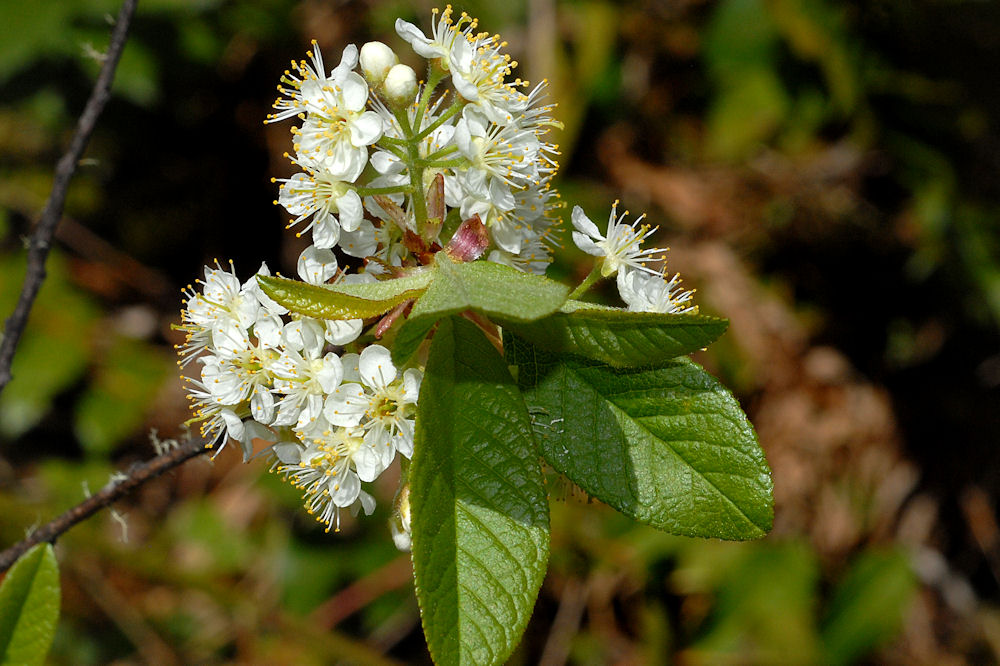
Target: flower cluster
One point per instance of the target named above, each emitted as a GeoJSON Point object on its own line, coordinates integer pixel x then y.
{"type": "Point", "coordinates": [390, 172]}
{"type": "Point", "coordinates": [332, 420]}
{"type": "Point", "coordinates": [377, 141]}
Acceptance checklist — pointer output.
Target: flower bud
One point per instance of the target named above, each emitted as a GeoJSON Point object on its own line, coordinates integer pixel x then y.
{"type": "Point", "coordinates": [400, 85]}
{"type": "Point", "coordinates": [376, 60]}
{"type": "Point", "coordinates": [399, 522]}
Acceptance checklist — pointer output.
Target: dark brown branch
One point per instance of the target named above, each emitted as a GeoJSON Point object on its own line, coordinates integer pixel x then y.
{"type": "Point", "coordinates": [137, 475]}
{"type": "Point", "coordinates": [41, 239]}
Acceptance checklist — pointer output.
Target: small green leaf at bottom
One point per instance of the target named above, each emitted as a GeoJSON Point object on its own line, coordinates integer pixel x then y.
{"type": "Point", "coordinates": [480, 512]}
{"type": "Point", "coordinates": [29, 607]}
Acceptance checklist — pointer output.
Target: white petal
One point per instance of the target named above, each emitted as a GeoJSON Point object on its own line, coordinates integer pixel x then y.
{"type": "Point", "coordinates": [587, 245]}
{"type": "Point", "coordinates": [350, 364]}
{"type": "Point", "coordinates": [351, 211]}
{"type": "Point", "coordinates": [344, 488]}
{"type": "Point", "coordinates": [348, 61]}
{"type": "Point", "coordinates": [584, 224]}
{"type": "Point", "coordinates": [386, 163]}
{"type": "Point", "coordinates": [354, 92]}
{"type": "Point", "coordinates": [367, 502]}
{"type": "Point", "coordinates": [375, 366]}
{"type": "Point", "coordinates": [330, 375]}
{"type": "Point", "coordinates": [411, 384]}
{"type": "Point", "coordinates": [268, 331]}
{"type": "Point", "coordinates": [326, 231]}
{"type": "Point", "coordinates": [404, 439]}
{"type": "Point", "coordinates": [366, 129]}
{"type": "Point", "coordinates": [289, 453]}
{"type": "Point", "coordinates": [346, 405]}
{"type": "Point", "coordinates": [343, 331]}
{"type": "Point", "coordinates": [262, 405]}
{"type": "Point", "coordinates": [360, 243]}
{"type": "Point", "coordinates": [368, 462]}
{"type": "Point", "coordinates": [316, 265]}
{"type": "Point", "coordinates": [410, 33]}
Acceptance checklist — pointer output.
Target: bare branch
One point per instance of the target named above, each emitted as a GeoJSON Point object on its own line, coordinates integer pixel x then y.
{"type": "Point", "coordinates": [137, 475]}
{"type": "Point", "coordinates": [41, 239]}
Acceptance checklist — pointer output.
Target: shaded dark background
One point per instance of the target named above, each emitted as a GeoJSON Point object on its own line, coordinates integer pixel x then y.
{"type": "Point", "coordinates": [826, 175]}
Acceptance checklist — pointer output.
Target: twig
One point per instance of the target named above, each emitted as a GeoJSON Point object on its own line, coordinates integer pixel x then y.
{"type": "Point", "coordinates": [41, 239]}
{"type": "Point", "coordinates": [136, 476]}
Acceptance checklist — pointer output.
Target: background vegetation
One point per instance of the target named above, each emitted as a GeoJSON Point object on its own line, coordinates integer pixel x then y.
{"type": "Point", "coordinates": [827, 175]}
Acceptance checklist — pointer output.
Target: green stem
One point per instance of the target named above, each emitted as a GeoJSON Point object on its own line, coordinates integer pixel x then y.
{"type": "Point", "coordinates": [416, 170]}
{"type": "Point", "coordinates": [434, 76]}
{"type": "Point", "coordinates": [392, 141]}
{"type": "Point", "coordinates": [588, 282]}
{"type": "Point", "coordinates": [439, 154]}
{"type": "Point", "coordinates": [395, 189]}
{"type": "Point", "coordinates": [444, 164]}
{"type": "Point", "coordinates": [455, 107]}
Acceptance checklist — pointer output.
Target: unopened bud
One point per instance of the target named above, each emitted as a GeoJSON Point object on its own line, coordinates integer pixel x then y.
{"type": "Point", "coordinates": [376, 60]}
{"type": "Point", "coordinates": [400, 85]}
{"type": "Point", "coordinates": [469, 241]}
{"type": "Point", "coordinates": [399, 522]}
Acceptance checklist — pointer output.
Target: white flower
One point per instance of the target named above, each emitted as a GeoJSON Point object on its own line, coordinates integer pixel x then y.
{"type": "Point", "coordinates": [221, 305]}
{"type": "Point", "coordinates": [329, 470]}
{"type": "Point", "coordinates": [309, 94]}
{"type": "Point", "coordinates": [622, 246]}
{"type": "Point", "coordinates": [478, 72]}
{"type": "Point", "coordinates": [337, 128]}
{"type": "Point", "coordinates": [505, 152]}
{"type": "Point", "coordinates": [444, 33]}
{"type": "Point", "coordinates": [304, 375]}
{"type": "Point", "coordinates": [654, 293]}
{"type": "Point", "coordinates": [319, 196]}
{"type": "Point", "coordinates": [382, 404]}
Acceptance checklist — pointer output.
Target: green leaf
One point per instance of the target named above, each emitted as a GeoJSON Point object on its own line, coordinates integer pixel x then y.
{"type": "Point", "coordinates": [344, 301]}
{"type": "Point", "coordinates": [618, 337]}
{"type": "Point", "coordinates": [480, 513]}
{"type": "Point", "coordinates": [484, 286]}
{"type": "Point", "coordinates": [29, 607]}
{"type": "Point", "coordinates": [667, 445]}
{"type": "Point", "coordinates": [868, 605]}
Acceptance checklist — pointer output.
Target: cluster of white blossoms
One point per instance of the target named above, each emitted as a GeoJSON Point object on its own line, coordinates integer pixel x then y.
{"type": "Point", "coordinates": [620, 250]}
{"type": "Point", "coordinates": [332, 420]}
{"type": "Point", "coordinates": [391, 171]}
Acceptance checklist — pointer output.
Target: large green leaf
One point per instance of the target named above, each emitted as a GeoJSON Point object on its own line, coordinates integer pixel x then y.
{"type": "Point", "coordinates": [666, 445]}
{"type": "Point", "coordinates": [344, 301]}
{"type": "Point", "coordinates": [484, 286]}
{"type": "Point", "coordinates": [29, 607]}
{"type": "Point", "coordinates": [619, 337]}
{"type": "Point", "coordinates": [480, 514]}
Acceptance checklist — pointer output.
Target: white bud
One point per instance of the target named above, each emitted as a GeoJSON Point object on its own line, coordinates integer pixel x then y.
{"type": "Point", "coordinates": [400, 85]}
{"type": "Point", "coordinates": [376, 60]}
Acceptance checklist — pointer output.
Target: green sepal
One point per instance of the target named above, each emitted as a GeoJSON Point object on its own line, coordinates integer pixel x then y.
{"type": "Point", "coordinates": [480, 521]}
{"type": "Point", "coordinates": [344, 301]}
